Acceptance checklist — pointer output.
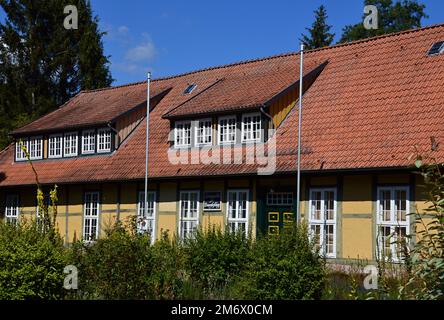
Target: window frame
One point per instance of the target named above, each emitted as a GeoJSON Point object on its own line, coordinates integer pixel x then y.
{"type": "Point", "coordinates": [141, 206]}
{"type": "Point", "coordinates": [52, 136]}
{"type": "Point", "coordinates": [219, 140]}
{"type": "Point", "coordinates": [12, 208]}
{"type": "Point", "coordinates": [39, 140]}
{"type": "Point", "coordinates": [91, 217]}
{"type": "Point", "coordinates": [243, 129]}
{"type": "Point", "coordinates": [237, 221]}
{"type": "Point", "coordinates": [188, 219]}
{"type": "Point", "coordinates": [76, 153]}
{"type": "Point", "coordinates": [393, 223]}
{"type": "Point", "coordinates": [18, 150]}
{"type": "Point", "coordinates": [322, 222]}
{"type": "Point", "coordinates": [91, 133]}
{"type": "Point", "coordinates": [176, 134]}
{"type": "Point", "coordinates": [283, 194]}
{"type": "Point", "coordinates": [103, 131]}
{"type": "Point", "coordinates": [196, 132]}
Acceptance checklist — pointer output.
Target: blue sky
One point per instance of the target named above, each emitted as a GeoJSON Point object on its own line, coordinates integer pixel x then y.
{"type": "Point", "coordinates": [170, 37]}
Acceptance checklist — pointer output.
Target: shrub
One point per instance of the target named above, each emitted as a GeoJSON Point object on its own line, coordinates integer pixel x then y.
{"type": "Point", "coordinates": [124, 265]}
{"type": "Point", "coordinates": [427, 256]}
{"type": "Point", "coordinates": [214, 258]}
{"type": "Point", "coordinates": [31, 261]}
{"type": "Point", "coordinates": [283, 267]}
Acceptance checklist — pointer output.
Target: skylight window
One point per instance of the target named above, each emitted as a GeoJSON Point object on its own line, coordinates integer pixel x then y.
{"type": "Point", "coordinates": [190, 88]}
{"type": "Point", "coordinates": [437, 48]}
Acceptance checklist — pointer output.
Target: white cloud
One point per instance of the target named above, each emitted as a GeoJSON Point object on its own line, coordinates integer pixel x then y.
{"type": "Point", "coordinates": [143, 52]}
{"type": "Point", "coordinates": [123, 30]}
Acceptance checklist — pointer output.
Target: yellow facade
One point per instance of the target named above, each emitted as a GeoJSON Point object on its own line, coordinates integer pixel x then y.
{"type": "Point", "coordinates": [356, 204]}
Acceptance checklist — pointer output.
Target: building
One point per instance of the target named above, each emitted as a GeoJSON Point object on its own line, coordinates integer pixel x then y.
{"type": "Point", "coordinates": [368, 106]}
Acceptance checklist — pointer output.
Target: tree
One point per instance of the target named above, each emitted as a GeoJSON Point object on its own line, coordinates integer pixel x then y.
{"type": "Point", "coordinates": [42, 65]}
{"type": "Point", "coordinates": [392, 17]}
{"type": "Point", "coordinates": [319, 31]}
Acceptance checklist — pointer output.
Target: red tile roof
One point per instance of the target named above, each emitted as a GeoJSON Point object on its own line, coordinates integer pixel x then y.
{"type": "Point", "coordinates": [374, 101]}
{"type": "Point", "coordinates": [93, 107]}
{"type": "Point", "coordinates": [244, 89]}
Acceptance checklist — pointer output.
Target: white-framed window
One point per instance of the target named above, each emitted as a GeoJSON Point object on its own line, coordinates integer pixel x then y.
{"type": "Point", "coordinates": [182, 134]}
{"type": "Point", "coordinates": [91, 212]}
{"type": "Point", "coordinates": [251, 127]}
{"type": "Point", "coordinates": [146, 221]}
{"type": "Point", "coordinates": [204, 132]}
{"type": "Point", "coordinates": [280, 199]}
{"type": "Point", "coordinates": [393, 222]}
{"type": "Point", "coordinates": [88, 142]}
{"type": "Point", "coordinates": [322, 219]}
{"type": "Point", "coordinates": [226, 131]}
{"type": "Point", "coordinates": [189, 213]}
{"type": "Point", "coordinates": [70, 144]}
{"type": "Point", "coordinates": [20, 155]}
{"type": "Point", "coordinates": [238, 211]}
{"type": "Point", "coordinates": [35, 148]}
{"type": "Point", "coordinates": [55, 143]}
{"type": "Point", "coordinates": [104, 137]}
{"type": "Point", "coordinates": [12, 208]}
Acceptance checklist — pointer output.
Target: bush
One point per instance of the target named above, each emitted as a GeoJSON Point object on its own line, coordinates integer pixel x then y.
{"type": "Point", "coordinates": [31, 261]}
{"type": "Point", "coordinates": [214, 258]}
{"type": "Point", "coordinates": [283, 267]}
{"type": "Point", "coordinates": [124, 265]}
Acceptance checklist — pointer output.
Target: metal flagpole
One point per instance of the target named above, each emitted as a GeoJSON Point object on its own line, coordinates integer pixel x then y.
{"type": "Point", "coordinates": [298, 191]}
{"type": "Point", "coordinates": [146, 148]}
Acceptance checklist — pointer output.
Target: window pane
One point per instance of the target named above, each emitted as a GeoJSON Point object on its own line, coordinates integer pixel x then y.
{"type": "Point", "coordinates": [316, 197]}
{"type": "Point", "coordinates": [329, 205]}
{"type": "Point", "coordinates": [401, 205]}
{"type": "Point", "coordinates": [227, 130]}
{"type": "Point", "coordinates": [251, 128]}
{"type": "Point", "coordinates": [386, 205]}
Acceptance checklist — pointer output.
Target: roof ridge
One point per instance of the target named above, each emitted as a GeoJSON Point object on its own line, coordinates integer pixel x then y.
{"type": "Point", "coordinates": [276, 56]}
{"type": "Point", "coordinates": [382, 36]}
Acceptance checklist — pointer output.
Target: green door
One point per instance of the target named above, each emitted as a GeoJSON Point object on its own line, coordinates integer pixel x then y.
{"type": "Point", "coordinates": [279, 219]}
{"type": "Point", "coordinates": [278, 212]}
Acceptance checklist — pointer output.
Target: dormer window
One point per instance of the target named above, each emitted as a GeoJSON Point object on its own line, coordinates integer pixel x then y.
{"type": "Point", "coordinates": [104, 140]}
{"type": "Point", "coordinates": [35, 148]}
{"type": "Point", "coordinates": [227, 130]}
{"type": "Point", "coordinates": [70, 144]}
{"type": "Point", "coordinates": [182, 134]}
{"type": "Point", "coordinates": [204, 132]}
{"type": "Point", "coordinates": [88, 142]}
{"type": "Point", "coordinates": [55, 143]}
{"type": "Point", "coordinates": [251, 127]}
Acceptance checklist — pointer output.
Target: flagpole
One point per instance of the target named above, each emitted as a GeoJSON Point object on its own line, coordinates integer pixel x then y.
{"type": "Point", "coordinates": [298, 191]}
{"type": "Point", "coordinates": [146, 148]}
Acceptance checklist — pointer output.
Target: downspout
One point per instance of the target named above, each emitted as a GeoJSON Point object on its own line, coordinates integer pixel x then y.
{"type": "Point", "coordinates": [117, 134]}
{"type": "Point", "coordinates": [262, 109]}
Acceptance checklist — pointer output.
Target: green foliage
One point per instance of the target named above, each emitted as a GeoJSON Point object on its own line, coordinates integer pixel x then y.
{"type": "Point", "coordinates": [427, 257]}
{"type": "Point", "coordinates": [283, 267]}
{"type": "Point", "coordinates": [392, 17]}
{"type": "Point", "coordinates": [31, 263]}
{"type": "Point", "coordinates": [124, 265]}
{"type": "Point", "coordinates": [42, 64]}
{"type": "Point", "coordinates": [215, 258]}
{"type": "Point", "coordinates": [319, 33]}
